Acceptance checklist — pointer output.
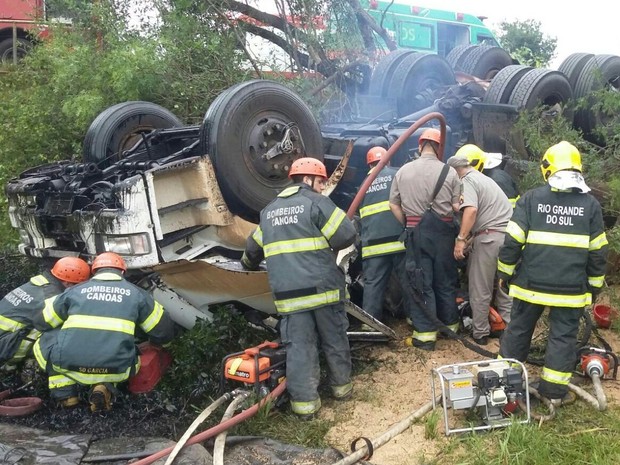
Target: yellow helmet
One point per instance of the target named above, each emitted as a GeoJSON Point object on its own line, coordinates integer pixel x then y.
{"type": "Point", "coordinates": [558, 157]}
{"type": "Point", "coordinates": [474, 155]}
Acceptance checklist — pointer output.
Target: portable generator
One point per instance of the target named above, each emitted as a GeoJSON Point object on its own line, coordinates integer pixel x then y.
{"type": "Point", "coordinates": [492, 388]}
{"type": "Point", "coordinates": [262, 367]}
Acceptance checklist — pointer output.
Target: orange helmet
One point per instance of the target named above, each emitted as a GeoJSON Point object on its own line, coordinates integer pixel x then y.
{"type": "Point", "coordinates": [432, 134]}
{"type": "Point", "coordinates": [375, 154]}
{"type": "Point", "coordinates": [308, 166]}
{"type": "Point", "coordinates": [109, 260]}
{"type": "Point", "coordinates": [71, 269]}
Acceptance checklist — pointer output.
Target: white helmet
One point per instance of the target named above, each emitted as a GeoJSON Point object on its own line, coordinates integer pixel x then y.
{"type": "Point", "coordinates": [493, 160]}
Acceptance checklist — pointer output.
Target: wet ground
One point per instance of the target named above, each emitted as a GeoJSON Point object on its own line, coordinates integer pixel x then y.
{"type": "Point", "coordinates": [149, 414]}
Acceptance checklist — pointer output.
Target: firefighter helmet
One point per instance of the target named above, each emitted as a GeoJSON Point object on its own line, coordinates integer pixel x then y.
{"type": "Point", "coordinates": [558, 157]}
{"type": "Point", "coordinates": [109, 260]}
{"type": "Point", "coordinates": [308, 166]}
{"type": "Point", "coordinates": [473, 154]}
{"type": "Point", "coordinates": [432, 134]}
{"type": "Point", "coordinates": [375, 154]}
{"type": "Point", "coordinates": [71, 269]}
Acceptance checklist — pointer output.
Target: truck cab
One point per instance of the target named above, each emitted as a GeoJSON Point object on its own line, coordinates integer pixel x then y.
{"type": "Point", "coordinates": [429, 30]}
{"type": "Point", "coordinates": [18, 18]}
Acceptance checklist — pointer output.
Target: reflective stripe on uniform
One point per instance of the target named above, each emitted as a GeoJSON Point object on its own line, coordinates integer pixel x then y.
{"type": "Point", "coordinates": [307, 301]}
{"type": "Point", "coordinates": [555, 377]}
{"type": "Point", "coordinates": [49, 314]}
{"type": "Point", "coordinates": [38, 355]}
{"type": "Point", "coordinates": [154, 318]}
{"type": "Point", "coordinates": [596, 281]}
{"type": "Point", "coordinates": [505, 268]}
{"type": "Point", "coordinates": [334, 222]}
{"type": "Point", "coordinates": [554, 300]}
{"type": "Point", "coordinates": [25, 345]}
{"type": "Point", "coordinates": [380, 249]}
{"type": "Point", "coordinates": [578, 241]}
{"type": "Point", "coordinates": [100, 323]}
{"type": "Point", "coordinates": [430, 336]}
{"type": "Point", "coordinates": [295, 245]}
{"type": "Point", "coordinates": [374, 208]}
{"type": "Point", "coordinates": [258, 236]}
{"type": "Point", "coordinates": [6, 324]}
{"type": "Point", "coordinates": [95, 378]}
{"type": "Point", "coordinates": [39, 280]}
{"type": "Point", "coordinates": [60, 381]}
{"type": "Point", "coordinates": [342, 391]}
{"type": "Point", "coordinates": [513, 201]}
{"type": "Point", "coordinates": [306, 408]}
{"type": "Point", "coordinates": [454, 328]}
{"type": "Point", "coordinates": [289, 191]}
{"type": "Point", "coordinates": [108, 277]}
{"type": "Point", "coordinates": [515, 231]}
{"type": "Point", "coordinates": [598, 242]}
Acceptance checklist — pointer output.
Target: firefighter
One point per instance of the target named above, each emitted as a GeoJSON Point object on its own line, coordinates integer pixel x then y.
{"type": "Point", "coordinates": [298, 234]}
{"type": "Point", "coordinates": [90, 330]}
{"type": "Point", "coordinates": [486, 211]}
{"type": "Point", "coordinates": [382, 251]}
{"type": "Point", "coordinates": [557, 235]}
{"type": "Point", "coordinates": [425, 193]}
{"type": "Point", "coordinates": [18, 308]}
{"type": "Point", "coordinates": [493, 168]}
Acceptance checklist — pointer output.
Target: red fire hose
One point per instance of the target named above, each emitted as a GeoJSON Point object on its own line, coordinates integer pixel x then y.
{"type": "Point", "coordinates": [20, 406]}
{"type": "Point", "coordinates": [391, 151]}
{"type": "Point", "coordinates": [217, 429]}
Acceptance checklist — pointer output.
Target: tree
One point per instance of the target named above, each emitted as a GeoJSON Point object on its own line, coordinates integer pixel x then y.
{"type": "Point", "coordinates": [525, 41]}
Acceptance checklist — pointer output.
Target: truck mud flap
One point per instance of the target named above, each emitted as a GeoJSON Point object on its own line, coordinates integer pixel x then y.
{"type": "Point", "coordinates": [383, 332]}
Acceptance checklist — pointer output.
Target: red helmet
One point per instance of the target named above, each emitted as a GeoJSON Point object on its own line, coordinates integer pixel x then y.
{"type": "Point", "coordinates": [109, 260]}
{"type": "Point", "coordinates": [309, 166]}
{"type": "Point", "coordinates": [433, 135]}
{"type": "Point", "coordinates": [375, 154]}
{"type": "Point", "coordinates": [71, 269]}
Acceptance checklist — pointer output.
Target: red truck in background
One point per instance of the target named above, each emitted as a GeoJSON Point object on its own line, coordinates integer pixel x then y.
{"type": "Point", "coordinates": [20, 23]}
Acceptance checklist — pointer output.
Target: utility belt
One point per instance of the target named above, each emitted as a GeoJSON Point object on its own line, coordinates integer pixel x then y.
{"type": "Point", "coordinates": [413, 221]}
{"type": "Point", "coordinates": [488, 231]}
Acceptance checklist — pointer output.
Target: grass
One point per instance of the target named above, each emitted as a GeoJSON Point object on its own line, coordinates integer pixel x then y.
{"type": "Point", "coordinates": [578, 435]}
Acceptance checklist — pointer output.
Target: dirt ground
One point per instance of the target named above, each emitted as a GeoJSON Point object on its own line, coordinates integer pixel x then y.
{"type": "Point", "coordinates": [399, 384]}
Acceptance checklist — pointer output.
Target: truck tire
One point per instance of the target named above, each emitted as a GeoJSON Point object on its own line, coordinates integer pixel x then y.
{"type": "Point", "coordinates": [241, 126]}
{"type": "Point", "coordinates": [572, 66]}
{"type": "Point", "coordinates": [540, 87]}
{"type": "Point", "coordinates": [6, 49]}
{"type": "Point", "coordinates": [458, 54]}
{"type": "Point", "coordinates": [485, 61]}
{"type": "Point", "coordinates": [382, 74]}
{"type": "Point", "coordinates": [416, 80]}
{"type": "Point", "coordinates": [120, 126]}
{"type": "Point", "coordinates": [504, 82]}
{"type": "Point", "coordinates": [600, 72]}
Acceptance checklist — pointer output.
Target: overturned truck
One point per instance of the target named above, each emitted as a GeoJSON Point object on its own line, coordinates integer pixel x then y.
{"type": "Point", "coordinates": [178, 202]}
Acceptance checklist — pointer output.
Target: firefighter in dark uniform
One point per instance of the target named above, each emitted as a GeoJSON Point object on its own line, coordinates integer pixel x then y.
{"type": "Point", "coordinates": [554, 255]}
{"type": "Point", "coordinates": [382, 251]}
{"type": "Point", "coordinates": [299, 232]}
{"type": "Point", "coordinates": [493, 168]}
{"type": "Point", "coordinates": [18, 308]}
{"type": "Point", "coordinates": [430, 236]}
{"type": "Point", "coordinates": [90, 333]}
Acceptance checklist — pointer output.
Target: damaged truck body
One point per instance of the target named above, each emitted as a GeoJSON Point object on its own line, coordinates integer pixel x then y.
{"type": "Point", "coordinates": [178, 202]}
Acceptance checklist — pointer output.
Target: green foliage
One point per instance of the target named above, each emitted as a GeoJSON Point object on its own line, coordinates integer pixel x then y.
{"type": "Point", "coordinates": [51, 98]}
{"type": "Point", "coordinates": [525, 41]}
{"type": "Point", "coordinates": [198, 354]}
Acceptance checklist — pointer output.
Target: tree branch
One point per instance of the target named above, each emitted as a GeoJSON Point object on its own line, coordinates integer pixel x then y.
{"type": "Point", "coordinates": [364, 17]}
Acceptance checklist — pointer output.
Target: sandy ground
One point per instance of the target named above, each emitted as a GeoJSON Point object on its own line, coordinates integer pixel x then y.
{"type": "Point", "coordinates": [399, 383]}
